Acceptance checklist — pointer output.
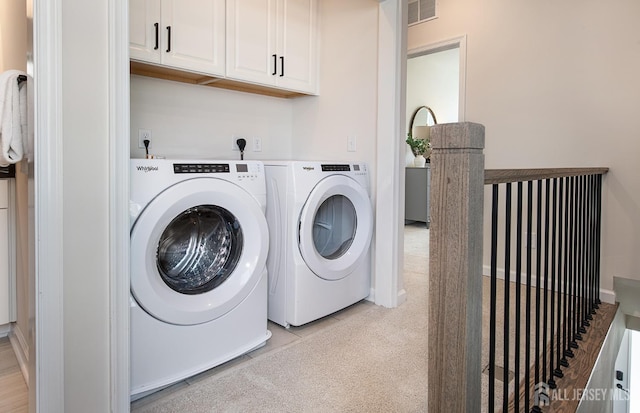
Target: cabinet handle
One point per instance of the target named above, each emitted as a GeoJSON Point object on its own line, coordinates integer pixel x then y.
{"type": "Point", "coordinates": [275, 65]}
{"type": "Point", "coordinates": [281, 66]}
{"type": "Point", "coordinates": [156, 26]}
{"type": "Point", "coordinates": [168, 39]}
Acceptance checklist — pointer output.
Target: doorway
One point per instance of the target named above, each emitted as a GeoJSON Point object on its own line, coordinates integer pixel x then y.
{"type": "Point", "coordinates": [435, 79]}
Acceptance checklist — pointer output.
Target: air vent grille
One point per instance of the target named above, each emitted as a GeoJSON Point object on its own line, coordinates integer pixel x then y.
{"type": "Point", "coordinates": [421, 10]}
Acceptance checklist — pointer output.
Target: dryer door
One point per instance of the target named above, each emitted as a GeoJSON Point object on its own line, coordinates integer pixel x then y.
{"type": "Point", "coordinates": [197, 251]}
{"type": "Point", "coordinates": [335, 227]}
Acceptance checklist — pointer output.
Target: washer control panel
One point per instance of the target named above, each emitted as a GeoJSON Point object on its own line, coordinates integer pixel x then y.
{"type": "Point", "coordinates": [240, 171]}
{"type": "Point", "coordinates": [200, 168]}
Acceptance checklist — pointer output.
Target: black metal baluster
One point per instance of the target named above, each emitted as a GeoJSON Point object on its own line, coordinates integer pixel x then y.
{"type": "Point", "coordinates": [586, 302]}
{"type": "Point", "coordinates": [594, 234]}
{"type": "Point", "coordinates": [573, 267]}
{"type": "Point", "coordinates": [527, 305]}
{"type": "Point", "coordinates": [492, 313]}
{"type": "Point", "coordinates": [580, 270]}
{"type": "Point", "coordinates": [545, 311]}
{"type": "Point", "coordinates": [588, 253]}
{"type": "Point", "coordinates": [554, 209]}
{"type": "Point", "coordinates": [558, 371]}
{"type": "Point", "coordinates": [598, 235]}
{"type": "Point", "coordinates": [507, 290]}
{"type": "Point", "coordinates": [571, 258]}
{"type": "Point", "coordinates": [565, 276]}
{"type": "Point", "coordinates": [538, 282]}
{"type": "Point", "coordinates": [516, 366]}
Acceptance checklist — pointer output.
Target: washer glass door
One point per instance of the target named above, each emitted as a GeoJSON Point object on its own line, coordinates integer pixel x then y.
{"type": "Point", "coordinates": [199, 249]}
{"type": "Point", "coordinates": [335, 227]}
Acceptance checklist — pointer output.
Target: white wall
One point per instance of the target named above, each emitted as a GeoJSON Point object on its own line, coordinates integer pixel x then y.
{"type": "Point", "coordinates": [348, 98]}
{"type": "Point", "coordinates": [433, 80]}
{"type": "Point", "coordinates": [191, 121]}
{"type": "Point", "coordinates": [556, 84]}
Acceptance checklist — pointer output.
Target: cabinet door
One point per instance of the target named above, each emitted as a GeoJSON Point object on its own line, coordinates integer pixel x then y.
{"type": "Point", "coordinates": [144, 30]}
{"type": "Point", "coordinates": [193, 35]}
{"type": "Point", "coordinates": [297, 41]}
{"type": "Point", "coordinates": [251, 41]}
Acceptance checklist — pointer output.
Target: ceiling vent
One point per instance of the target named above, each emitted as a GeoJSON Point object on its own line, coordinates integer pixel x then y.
{"type": "Point", "coordinates": [421, 10]}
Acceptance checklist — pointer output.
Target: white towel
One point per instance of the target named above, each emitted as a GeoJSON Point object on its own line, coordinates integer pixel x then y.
{"type": "Point", "coordinates": [13, 118]}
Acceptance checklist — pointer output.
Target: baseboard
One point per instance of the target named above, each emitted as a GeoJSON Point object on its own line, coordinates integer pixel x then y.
{"type": "Point", "coordinates": [606, 296]}
{"type": "Point", "coordinates": [402, 296]}
{"type": "Point", "coordinates": [21, 350]}
{"type": "Point", "coordinates": [5, 329]}
{"type": "Point", "coordinates": [372, 295]}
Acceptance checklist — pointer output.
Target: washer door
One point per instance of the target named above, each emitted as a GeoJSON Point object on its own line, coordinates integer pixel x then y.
{"type": "Point", "coordinates": [197, 251]}
{"type": "Point", "coordinates": [335, 227]}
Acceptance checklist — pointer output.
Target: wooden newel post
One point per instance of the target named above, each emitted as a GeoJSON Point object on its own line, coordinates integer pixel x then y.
{"type": "Point", "coordinates": [455, 267]}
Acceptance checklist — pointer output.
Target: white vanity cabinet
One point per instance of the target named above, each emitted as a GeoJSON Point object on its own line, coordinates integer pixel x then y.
{"type": "Point", "coordinates": [184, 34]}
{"type": "Point", "coordinates": [273, 43]}
{"type": "Point", "coordinates": [4, 252]}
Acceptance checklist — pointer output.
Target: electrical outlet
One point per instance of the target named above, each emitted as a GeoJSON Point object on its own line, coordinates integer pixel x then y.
{"type": "Point", "coordinates": [351, 143]}
{"type": "Point", "coordinates": [234, 145]}
{"type": "Point", "coordinates": [142, 135]}
{"type": "Point", "coordinates": [257, 144]}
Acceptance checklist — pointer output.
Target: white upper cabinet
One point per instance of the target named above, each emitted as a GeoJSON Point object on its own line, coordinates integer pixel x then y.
{"type": "Point", "coordinates": [184, 34]}
{"type": "Point", "coordinates": [273, 43]}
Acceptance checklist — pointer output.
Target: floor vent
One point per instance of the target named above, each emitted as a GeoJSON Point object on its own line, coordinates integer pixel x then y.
{"type": "Point", "coordinates": [421, 10]}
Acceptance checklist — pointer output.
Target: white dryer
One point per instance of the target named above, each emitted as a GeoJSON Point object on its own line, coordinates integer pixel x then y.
{"type": "Point", "coordinates": [199, 242]}
{"type": "Point", "coordinates": [320, 227]}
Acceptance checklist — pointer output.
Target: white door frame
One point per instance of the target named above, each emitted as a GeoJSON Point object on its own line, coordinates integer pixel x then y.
{"type": "Point", "coordinates": [389, 218]}
{"type": "Point", "coordinates": [47, 357]}
{"type": "Point", "coordinates": [119, 278]}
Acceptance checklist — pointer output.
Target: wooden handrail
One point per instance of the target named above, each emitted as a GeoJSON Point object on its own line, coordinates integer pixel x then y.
{"type": "Point", "coordinates": [503, 176]}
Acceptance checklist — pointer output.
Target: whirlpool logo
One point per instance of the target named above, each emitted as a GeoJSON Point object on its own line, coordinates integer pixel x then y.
{"type": "Point", "coordinates": [308, 168]}
{"type": "Point", "coordinates": [148, 168]}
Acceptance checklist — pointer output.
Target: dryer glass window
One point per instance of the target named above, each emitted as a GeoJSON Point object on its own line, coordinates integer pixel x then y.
{"type": "Point", "coordinates": [334, 227]}
{"type": "Point", "coordinates": [199, 249]}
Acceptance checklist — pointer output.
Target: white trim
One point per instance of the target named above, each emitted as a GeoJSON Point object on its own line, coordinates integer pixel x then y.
{"type": "Point", "coordinates": [461, 43]}
{"type": "Point", "coordinates": [49, 340]}
{"type": "Point", "coordinates": [388, 242]}
{"type": "Point", "coordinates": [21, 350]}
{"type": "Point", "coordinates": [607, 296]}
{"type": "Point", "coordinates": [119, 204]}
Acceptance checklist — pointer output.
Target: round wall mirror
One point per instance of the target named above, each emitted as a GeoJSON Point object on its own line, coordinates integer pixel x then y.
{"type": "Point", "coordinates": [423, 116]}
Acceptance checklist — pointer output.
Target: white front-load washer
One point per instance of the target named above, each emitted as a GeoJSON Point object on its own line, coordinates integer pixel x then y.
{"type": "Point", "coordinates": [320, 227]}
{"type": "Point", "coordinates": [199, 242]}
